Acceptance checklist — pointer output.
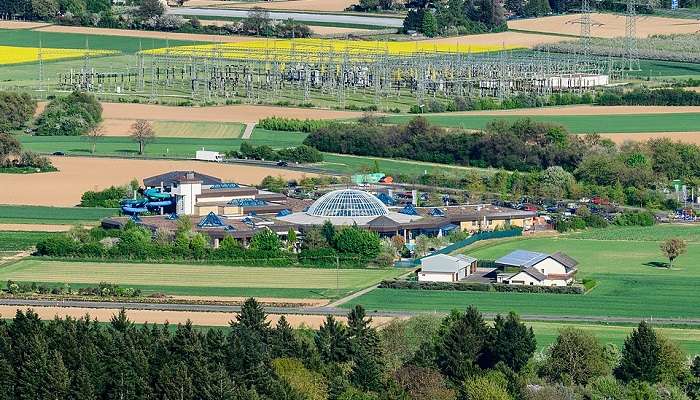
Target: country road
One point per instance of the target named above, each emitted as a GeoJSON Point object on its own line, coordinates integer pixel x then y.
{"type": "Point", "coordinates": [298, 16]}
{"type": "Point", "coordinates": [198, 308]}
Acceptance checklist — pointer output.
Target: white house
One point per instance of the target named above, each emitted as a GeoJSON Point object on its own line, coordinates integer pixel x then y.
{"type": "Point", "coordinates": [444, 268]}
{"type": "Point", "coordinates": [534, 268]}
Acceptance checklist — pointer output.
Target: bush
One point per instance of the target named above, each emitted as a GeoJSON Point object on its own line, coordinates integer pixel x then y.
{"type": "Point", "coordinates": [72, 115]}
{"type": "Point", "coordinates": [292, 124]}
{"type": "Point", "coordinates": [300, 154]}
{"type": "Point", "coordinates": [647, 97]}
{"type": "Point", "coordinates": [108, 198]}
{"type": "Point", "coordinates": [479, 287]}
{"type": "Point", "coordinates": [635, 218]}
{"type": "Point", "coordinates": [16, 110]}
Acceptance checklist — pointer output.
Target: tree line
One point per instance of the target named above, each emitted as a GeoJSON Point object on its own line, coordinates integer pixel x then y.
{"type": "Point", "coordinates": [458, 357]}
{"type": "Point", "coordinates": [16, 113]}
{"type": "Point", "coordinates": [548, 160]}
{"type": "Point", "coordinates": [326, 246]}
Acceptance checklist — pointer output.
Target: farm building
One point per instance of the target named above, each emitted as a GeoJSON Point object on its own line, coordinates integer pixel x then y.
{"type": "Point", "coordinates": [446, 268]}
{"type": "Point", "coordinates": [532, 268]}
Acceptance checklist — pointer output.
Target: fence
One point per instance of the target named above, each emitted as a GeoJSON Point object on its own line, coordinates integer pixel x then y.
{"type": "Point", "coordinates": [462, 243]}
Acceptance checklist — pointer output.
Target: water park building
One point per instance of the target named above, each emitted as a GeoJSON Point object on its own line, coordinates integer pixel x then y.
{"type": "Point", "coordinates": [222, 209]}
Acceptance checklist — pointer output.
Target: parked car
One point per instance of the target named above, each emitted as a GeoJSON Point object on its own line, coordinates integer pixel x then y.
{"type": "Point", "coordinates": [599, 201]}
{"type": "Point", "coordinates": [58, 153]}
{"type": "Point", "coordinates": [282, 163]}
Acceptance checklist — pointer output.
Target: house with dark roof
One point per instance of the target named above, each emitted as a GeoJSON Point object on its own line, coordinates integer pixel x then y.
{"type": "Point", "coordinates": [522, 267]}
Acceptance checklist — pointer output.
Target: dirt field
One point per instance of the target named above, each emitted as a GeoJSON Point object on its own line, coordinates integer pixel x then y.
{"type": "Point", "coordinates": [173, 317]}
{"type": "Point", "coordinates": [262, 300]}
{"type": "Point", "coordinates": [35, 228]}
{"type": "Point", "coordinates": [77, 175]}
{"type": "Point", "coordinates": [301, 5]}
{"type": "Point", "coordinates": [586, 110]}
{"type": "Point", "coordinates": [612, 25]}
{"type": "Point", "coordinates": [21, 25]}
{"type": "Point", "coordinates": [143, 34]}
{"type": "Point", "coordinates": [519, 39]}
{"type": "Point", "coordinates": [685, 137]}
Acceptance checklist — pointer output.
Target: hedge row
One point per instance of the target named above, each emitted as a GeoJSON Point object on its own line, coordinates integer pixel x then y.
{"type": "Point", "coordinates": [480, 287]}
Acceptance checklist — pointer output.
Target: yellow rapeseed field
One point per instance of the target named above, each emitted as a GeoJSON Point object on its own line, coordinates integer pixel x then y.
{"type": "Point", "coordinates": [319, 49]}
{"type": "Point", "coordinates": [18, 55]}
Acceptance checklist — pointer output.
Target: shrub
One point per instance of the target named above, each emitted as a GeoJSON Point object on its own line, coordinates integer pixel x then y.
{"type": "Point", "coordinates": [292, 124]}
{"type": "Point", "coordinates": [72, 115]}
{"type": "Point", "coordinates": [16, 110]}
{"type": "Point", "coordinates": [479, 287]}
{"type": "Point", "coordinates": [108, 198]}
{"type": "Point", "coordinates": [635, 218]}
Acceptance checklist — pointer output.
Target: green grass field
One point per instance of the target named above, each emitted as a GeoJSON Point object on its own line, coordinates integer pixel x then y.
{"type": "Point", "coordinates": [633, 123]}
{"type": "Point", "coordinates": [125, 44]}
{"type": "Point", "coordinates": [14, 241]}
{"type": "Point", "coordinates": [547, 332]}
{"type": "Point", "coordinates": [198, 129]}
{"type": "Point", "coordinates": [177, 147]}
{"type": "Point", "coordinates": [632, 281]}
{"type": "Point", "coordinates": [52, 215]}
{"type": "Point", "coordinates": [348, 164]}
{"type": "Point", "coordinates": [204, 280]}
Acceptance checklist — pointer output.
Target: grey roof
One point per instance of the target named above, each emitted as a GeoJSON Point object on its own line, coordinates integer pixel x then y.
{"type": "Point", "coordinates": [466, 258]}
{"type": "Point", "coordinates": [565, 260]}
{"type": "Point", "coordinates": [383, 221]}
{"type": "Point", "coordinates": [443, 263]}
{"type": "Point", "coordinates": [169, 178]}
{"type": "Point", "coordinates": [522, 258]}
{"type": "Point", "coordinates": [533, 272]}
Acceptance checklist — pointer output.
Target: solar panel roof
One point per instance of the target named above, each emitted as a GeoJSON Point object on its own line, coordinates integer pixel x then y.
{"type": "Point", "coordinates": [522, 258]}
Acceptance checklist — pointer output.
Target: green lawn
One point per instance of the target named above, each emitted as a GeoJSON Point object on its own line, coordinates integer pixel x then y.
{"type": "Point", "coordinates": [631, 281]}
{"type": "Point", "coordinates": [52, 215]}
{"type": "Point", "coordinates": [198, 129]}
{"type": "Point", "coordinates": [178, 147]}
{"type": "Point", "coordinates": [547, 332]}
{"type": "Point", "coordinates": [212, 280]}
{"type": "Point", "coordinates": [632, 123]}
{"type": "Point", "coordinates": [14, 241]}
{"type": "Point", "coordinates": [348, 164]}
{"type": "Point", "coordinates": [125, 44]}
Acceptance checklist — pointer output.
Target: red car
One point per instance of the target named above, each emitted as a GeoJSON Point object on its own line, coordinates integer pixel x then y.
{"type": "Point", "coordinates": [599, 201]}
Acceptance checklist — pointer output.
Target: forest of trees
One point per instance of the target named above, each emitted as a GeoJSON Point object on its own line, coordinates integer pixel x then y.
{"type": "Point", "coordinates": [459, 357]}
{"type": "Point", "coordinates": [550, 161]}
{"type": "Point", "coordinates": [455, 17]}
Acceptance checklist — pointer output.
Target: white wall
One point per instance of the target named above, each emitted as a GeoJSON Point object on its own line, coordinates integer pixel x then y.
{"type": "Point", "coordinates": [523, 279]}
{"type": "Point", "coordinates": [550, 266]}
{"type": "Point", "coordinates": [435, 277]}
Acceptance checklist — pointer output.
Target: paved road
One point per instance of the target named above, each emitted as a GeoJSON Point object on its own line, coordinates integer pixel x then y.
{"type": "Point", "coordinates": [303, 17]}
{"type": "Point", "coordinates": [316, 311]}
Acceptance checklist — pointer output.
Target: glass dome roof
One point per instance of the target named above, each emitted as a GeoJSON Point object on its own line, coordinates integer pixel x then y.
{"type": "Point", "coordinates": [347, 203]}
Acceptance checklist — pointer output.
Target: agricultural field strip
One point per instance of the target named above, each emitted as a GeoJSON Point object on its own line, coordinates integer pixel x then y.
{"type": "Point", "coordinates": [18, 55]}
{"type": "Point", "coordinates": [190, 275]}
{"type": "Point", "coordinates": [613, 123]}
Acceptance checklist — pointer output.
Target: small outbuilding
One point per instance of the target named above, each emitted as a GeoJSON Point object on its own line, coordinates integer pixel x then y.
{"type": "Point", "coordinates": [445, 268]}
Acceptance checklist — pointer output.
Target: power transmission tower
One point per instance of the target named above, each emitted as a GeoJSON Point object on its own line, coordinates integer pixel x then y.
{"type": "Point", "coordinates": [586, 21]}
{"type": "Point", "coordinates": [631, 50]}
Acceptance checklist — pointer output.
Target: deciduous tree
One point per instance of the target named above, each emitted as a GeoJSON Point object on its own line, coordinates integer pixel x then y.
{"type": "Point", "coordinates": [673, 248]}
{"type": "Point", "coordinates": [142, 133]}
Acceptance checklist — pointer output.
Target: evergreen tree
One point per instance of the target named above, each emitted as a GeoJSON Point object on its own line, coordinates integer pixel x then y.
{"type": "Point", "coordinates": [429, 25]}
{"type": "Point", "coordinates": [56, 380]}
{"type": "Point", "coordinates": [332, 342]}
{"type": "Point", "coordinates": [174, 382]}
{"type": "Point", "coordinates": [328, 232]}
{"type": "Point", "coordinates": [462, 347]}
{"type": "Point", "coordinates": [253, 317]}
{"type": "Point", "coordinates": [513, 342]}
{"type": "Point", "coordinates": [640, 356]}
{"type": "Point", "coordinates": [81, 387]}
{"type": "Point", "coordinates": [248, 359]}
{"type": "Point", "coordinates": [284, 343]}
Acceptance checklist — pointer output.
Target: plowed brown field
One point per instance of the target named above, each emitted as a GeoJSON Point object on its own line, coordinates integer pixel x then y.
{"type": "Point", "coordinates": [77, 175]}
{"type": "Point", "coordinates": [611, 25]}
